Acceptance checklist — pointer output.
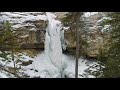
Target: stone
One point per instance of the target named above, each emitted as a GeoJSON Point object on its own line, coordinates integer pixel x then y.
{"type": "Point", "coordinates": [33, 33]}
{"type": "Point", "coordinates": [94, 37]}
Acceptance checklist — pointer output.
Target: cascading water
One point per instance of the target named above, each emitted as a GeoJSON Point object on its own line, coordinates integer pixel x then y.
{"type": "Point", "coordinates": [54, 41]}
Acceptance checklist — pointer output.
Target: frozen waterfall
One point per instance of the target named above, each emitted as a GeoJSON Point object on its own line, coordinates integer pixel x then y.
{"type": "Point", "coordinates": [54, 41]}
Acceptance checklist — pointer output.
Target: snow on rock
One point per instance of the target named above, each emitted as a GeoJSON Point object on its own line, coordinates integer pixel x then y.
{"type": "Point", "coordinates": [105, 28]}
{"type": "Point", "coordinates": [21, 19]}
{"type": "Point", "coordinates": [88, 14]}
{"type": "Point", "coordinates": [102, 19]}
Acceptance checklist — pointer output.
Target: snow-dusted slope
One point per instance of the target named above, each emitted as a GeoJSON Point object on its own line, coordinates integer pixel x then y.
{"type": "Point", "coordinates": [22, 19]}
{"type": "Point", "coordinates": [43, 68]}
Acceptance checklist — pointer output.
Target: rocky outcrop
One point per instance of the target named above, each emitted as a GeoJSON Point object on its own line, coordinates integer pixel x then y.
{"type": "Point", "coordinates": [33, 25]}
{"type": "Point", "coordinates": [94, 36]}
{"type": "Point", "coordinates": [30, 25]}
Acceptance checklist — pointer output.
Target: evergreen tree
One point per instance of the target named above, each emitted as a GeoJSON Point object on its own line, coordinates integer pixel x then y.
{"type": "Point", "coordinates": [9, 41]}
{"type": "Point", "coordinates": [110, 56]}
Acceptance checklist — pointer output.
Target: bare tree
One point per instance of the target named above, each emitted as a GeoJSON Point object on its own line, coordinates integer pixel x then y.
{"type": "Point", "coordinates": [73, 19]}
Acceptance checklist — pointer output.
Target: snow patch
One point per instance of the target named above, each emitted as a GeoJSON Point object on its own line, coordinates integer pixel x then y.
{"type": "Point", "coordinates": [88, 14]}
{"type": "Point", "coordinates": [19, 19]}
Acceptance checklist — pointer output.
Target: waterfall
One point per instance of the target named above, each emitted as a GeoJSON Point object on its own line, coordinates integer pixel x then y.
{"type": "Point", "coordinates": [54, 38]}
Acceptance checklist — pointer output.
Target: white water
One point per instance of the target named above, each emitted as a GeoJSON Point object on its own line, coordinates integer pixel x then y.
{"type": "Point", "coordinates": [53, 44]}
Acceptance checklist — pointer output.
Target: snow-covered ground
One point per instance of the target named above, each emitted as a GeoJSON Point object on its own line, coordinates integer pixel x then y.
{"type": "Point", "coordinates": [47, 70]}
{"type": "Point", "coordinates": [4, 74]}
{"type": "Point", "coordinates": [43, 68]}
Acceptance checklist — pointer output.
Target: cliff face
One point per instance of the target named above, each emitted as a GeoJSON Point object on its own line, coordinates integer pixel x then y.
{"type": "Point", "coordinates": [30, 25]}
{"type": "Point", "coordinates": [33, 25]}
{"type": "Point", "coordinates": [94, 35]}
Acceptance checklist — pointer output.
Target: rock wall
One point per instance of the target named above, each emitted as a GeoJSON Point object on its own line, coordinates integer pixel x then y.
{"type": "Point", "coordinates": [32, 25]}
{"type": "Point", "coordinates": [94, 36]}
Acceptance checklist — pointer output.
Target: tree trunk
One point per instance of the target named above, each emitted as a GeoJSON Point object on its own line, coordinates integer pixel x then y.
{"type": "Point", "coordinates": [13, 59]}
{"type": "Point", "coordinates": [77, 51]}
